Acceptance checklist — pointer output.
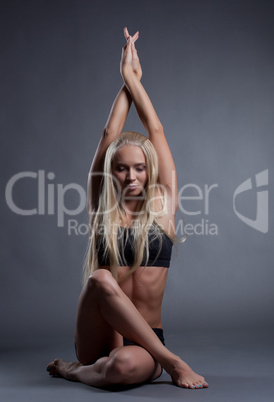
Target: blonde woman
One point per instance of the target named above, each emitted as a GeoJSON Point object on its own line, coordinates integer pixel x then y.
{"type": "Point", "coordinates": [132, 199]}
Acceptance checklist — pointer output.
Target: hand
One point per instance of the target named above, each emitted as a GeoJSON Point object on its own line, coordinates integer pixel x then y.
{"type": "Point", "coordinates": [130, 60]}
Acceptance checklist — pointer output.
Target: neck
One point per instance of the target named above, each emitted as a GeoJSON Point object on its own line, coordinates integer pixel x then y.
{"type": "Point", "coordinates": [130, 207]}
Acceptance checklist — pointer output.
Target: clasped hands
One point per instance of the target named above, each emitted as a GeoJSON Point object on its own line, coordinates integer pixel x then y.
{"type": "Point", "coordinates": [130, 63]}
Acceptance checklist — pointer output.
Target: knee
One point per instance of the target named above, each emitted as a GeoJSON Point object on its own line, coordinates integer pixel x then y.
{"type": "Point", "coordinates": [120, 368]}
{"type": "Point", "coordinates": [102, 279]}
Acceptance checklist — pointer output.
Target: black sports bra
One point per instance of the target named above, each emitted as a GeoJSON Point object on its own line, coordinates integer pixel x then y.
{"type": "Point", "coordinates": [162, 260]}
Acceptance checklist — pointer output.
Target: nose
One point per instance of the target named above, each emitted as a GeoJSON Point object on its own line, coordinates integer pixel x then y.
{"type": "Point", "coordinates": [131, 175]}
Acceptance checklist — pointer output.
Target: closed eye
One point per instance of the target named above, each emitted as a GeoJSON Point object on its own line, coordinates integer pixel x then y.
{"type": "Point", "coordinates": [139, 168]}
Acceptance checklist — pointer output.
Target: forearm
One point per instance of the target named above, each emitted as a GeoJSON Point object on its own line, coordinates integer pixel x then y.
{"type": "Point", "coordinates": [119, 111]}
{"type": "Point", "coordinates": [142, 103]}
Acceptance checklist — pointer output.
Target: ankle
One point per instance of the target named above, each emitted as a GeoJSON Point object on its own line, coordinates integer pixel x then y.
{"type": "Point", "coordinates": [72, 371]}
{"type": "Point", "coordinates": [170, 362]}
{"type": "Point", "coordinates": [176, 364]}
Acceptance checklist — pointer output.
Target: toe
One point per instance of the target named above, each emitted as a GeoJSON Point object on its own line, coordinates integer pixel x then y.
{"type": "Point", "coordinates": [51, 368]}
{"type": "Point", "coordinates": [183, 385]}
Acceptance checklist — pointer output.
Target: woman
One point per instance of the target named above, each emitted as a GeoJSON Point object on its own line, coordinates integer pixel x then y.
{"type": "Point", "coordinates": [132, 200]}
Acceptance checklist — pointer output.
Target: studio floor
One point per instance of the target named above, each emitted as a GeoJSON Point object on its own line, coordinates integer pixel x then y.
{"type": "Point", "coordinates": [238, 365]}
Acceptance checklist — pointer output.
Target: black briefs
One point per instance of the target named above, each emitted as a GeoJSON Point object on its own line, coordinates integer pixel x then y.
{"type": "Point", "coordinates": [158, 331]}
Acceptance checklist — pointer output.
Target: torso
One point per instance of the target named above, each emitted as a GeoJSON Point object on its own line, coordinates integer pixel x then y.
{"type": "Point", "coordinates": [146, 286]}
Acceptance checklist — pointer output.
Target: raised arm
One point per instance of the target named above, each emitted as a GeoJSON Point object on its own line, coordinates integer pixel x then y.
{"type": "Point", "coordinates": [113, 127]}
{"type": "Point", "coordinates": [151, 122]}
{"type": "Point", "coordinates": [111, 131]}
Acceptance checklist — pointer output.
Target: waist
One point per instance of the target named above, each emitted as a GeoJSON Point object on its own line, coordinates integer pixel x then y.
{"type": "Point", "coordinates": [145, 288]}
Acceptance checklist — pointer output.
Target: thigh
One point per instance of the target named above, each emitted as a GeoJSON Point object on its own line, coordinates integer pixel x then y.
{"type": "Point", "coordinates": [148, 368]}
{"type": "Point", "coordinates": [94, 337]}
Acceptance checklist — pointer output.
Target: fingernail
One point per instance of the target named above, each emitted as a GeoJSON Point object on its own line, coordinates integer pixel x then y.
{"type": "Point", "coordinates": [48, 368]}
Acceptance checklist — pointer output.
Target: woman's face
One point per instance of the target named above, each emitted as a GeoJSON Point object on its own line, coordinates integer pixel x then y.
{"type": "Point", "coordinates": [129, 168]}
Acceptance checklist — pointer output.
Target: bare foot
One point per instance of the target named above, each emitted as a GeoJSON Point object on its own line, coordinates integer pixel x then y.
{"type": "Point", "coordinates": [183, 376]}
{"type": "Point", "coordinates": [60, 368]}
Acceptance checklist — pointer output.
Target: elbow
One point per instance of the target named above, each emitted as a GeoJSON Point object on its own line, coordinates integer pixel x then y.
{"type": "Point", "coordinates": [160, 127]}
{"type": "Point", "coordinates": [105, 132]}
{"type": "Point", "coordinates": [109, 132]}
{"type": "Point", "coordinates": [156, 128]}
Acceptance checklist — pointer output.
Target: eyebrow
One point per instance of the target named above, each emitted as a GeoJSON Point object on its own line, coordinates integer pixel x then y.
{"type": "Point", "coordinates": [136, 164]}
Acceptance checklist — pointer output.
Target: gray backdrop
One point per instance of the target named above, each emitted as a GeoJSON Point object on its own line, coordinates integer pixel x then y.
{"type": "Point", "coordinates": [208, 68]}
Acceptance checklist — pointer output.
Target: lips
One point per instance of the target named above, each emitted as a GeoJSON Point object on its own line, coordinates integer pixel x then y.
{"type": "Point", "coordinates": [132, 187]}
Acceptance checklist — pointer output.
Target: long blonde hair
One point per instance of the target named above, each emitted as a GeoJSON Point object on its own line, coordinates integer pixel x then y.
{"type": "Point", "coordinates": [105, 221]}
